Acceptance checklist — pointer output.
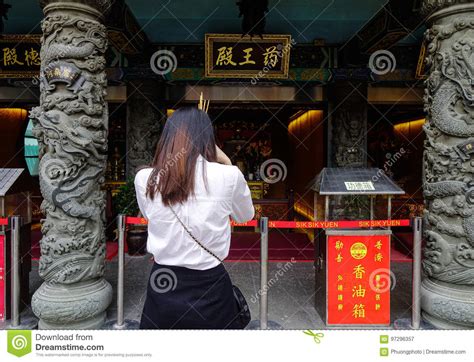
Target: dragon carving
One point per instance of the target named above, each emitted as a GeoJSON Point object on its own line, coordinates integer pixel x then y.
{"type": "Point", "coordinates": [449, 169]}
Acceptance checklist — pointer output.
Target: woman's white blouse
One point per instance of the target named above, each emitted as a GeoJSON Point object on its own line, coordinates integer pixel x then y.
{"type": "Point", "coordinates": [206, 215]}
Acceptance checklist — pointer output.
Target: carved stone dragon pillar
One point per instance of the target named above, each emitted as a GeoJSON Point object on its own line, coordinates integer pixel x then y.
{"type": "Point", "coordinates": [448, 289]}
{"type": "Point", "coordinates": [71, 127]}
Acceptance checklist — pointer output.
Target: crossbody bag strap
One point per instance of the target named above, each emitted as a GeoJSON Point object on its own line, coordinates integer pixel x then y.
{"type": "Point", "coordinates": [192, 236]}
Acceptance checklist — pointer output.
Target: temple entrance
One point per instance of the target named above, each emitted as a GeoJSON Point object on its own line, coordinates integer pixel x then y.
{"type": "Point", "coordinates": [298, 87]}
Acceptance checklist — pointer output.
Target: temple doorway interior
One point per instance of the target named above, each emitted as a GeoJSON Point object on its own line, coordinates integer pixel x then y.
{"type": "Point", "coordinates": [395, 140]}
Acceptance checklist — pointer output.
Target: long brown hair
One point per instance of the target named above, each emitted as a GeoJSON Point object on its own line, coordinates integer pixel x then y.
{"type": "Point", "coordinates": [187, 134]}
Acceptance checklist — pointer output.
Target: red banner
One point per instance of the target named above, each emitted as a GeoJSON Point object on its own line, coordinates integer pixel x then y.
{"type": "Point", "coordinates": [2, 278]}
{"type": "Point", "coordinates": [142, 221]}
{"type": "Point", "coordinates": [253, 223]}
{"type": "Point", "coordinates": [3, 221]}
{"type": "Point", "coordinates": [337, 224]}
{"type": "Point", "coordinates": [358, 280]}
{"type": "Point", "coordinates": [306, 224]}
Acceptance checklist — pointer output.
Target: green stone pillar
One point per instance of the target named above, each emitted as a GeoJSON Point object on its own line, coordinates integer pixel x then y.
{"type": "Point", "coordinates": [71, 126]}
{"type": "Point", "coordinates": [447, 294]}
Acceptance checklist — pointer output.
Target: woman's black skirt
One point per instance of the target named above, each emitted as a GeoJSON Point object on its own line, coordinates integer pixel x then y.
{"type": "Point", "coordinates": [182, 298]}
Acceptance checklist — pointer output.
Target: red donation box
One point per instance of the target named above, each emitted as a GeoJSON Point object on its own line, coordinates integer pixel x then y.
{"type": "Point", "coordinates": [358, 277]}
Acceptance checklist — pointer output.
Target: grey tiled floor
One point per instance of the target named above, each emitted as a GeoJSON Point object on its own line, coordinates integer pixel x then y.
{"type": "Point", "coordinates": [291, 297]}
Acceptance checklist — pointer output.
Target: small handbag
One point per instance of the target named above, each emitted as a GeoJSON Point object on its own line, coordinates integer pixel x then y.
{"type": "Point", "coordinates": [243, 317]}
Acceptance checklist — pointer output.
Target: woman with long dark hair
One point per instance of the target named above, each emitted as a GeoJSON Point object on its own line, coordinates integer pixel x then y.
{"type": "Point", "coordinates": [188, 195]}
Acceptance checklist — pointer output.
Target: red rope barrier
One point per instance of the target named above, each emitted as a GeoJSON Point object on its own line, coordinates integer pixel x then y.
{"type": "Point", "coordinates": [337, 224]}
{"type": "Point", "coordinates": [253, 223]}
{"type": "Point", "coordinates": [130, 220]}
{"type": "Point", "coordinates": [305, 224]}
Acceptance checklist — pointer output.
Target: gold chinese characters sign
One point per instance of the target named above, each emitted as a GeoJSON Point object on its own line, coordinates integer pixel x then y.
{"type": "Point", "coordinates": [20, 56]}
{"type": "Point", "coordinates": [235, 56]}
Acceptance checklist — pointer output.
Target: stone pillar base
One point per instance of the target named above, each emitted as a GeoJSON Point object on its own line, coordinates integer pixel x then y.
{"type": "Point", "coordinates": [447, 306]}
{"type": "Point", "coordinates": [72, 306]}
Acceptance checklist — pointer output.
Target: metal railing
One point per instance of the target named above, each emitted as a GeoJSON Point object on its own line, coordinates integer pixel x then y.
{"type": "Point", "coordinates": [264, 225]}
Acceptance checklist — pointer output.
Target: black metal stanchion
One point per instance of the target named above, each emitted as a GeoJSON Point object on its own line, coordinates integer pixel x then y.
{"type": "Point", "coordinates": [17, 321]}
{"type": "Point", "coordinates": [121, 323]}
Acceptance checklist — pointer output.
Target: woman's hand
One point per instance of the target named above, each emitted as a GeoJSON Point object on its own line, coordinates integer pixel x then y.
{"type": "Point", "coordinates": [222, 157]}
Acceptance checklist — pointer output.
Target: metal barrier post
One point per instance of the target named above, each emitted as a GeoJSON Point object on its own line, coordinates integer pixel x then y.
{"type": "Point", "coordinates": [264, 273]}
{"type": "Point", "coordinates": [121, 262]}
{"type": "Point", "coordinates": [28, 207]}
{"type": "Point", "coordinates": [27, 321]}
{"type": "Point", "coordinates": [263, 322]}
{"type": "Point", "coordinates": [389, 209]}
{"type": "Point", "coordinates": [415, 322]}
{"type": "Point", "coordinates": [416, 307]}
{"type": "Point", "coordinates": [15, 263]}
{"type": "Point", "coordinates": [121, 323]}
{"type": "Point", "coordinates": [371, 206]}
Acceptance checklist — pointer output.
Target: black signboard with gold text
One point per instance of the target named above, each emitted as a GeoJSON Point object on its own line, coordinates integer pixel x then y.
{"type": "Point", "coordinates": [19, 56]}
{"type": "Point", "coordinates": [235, 56]}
